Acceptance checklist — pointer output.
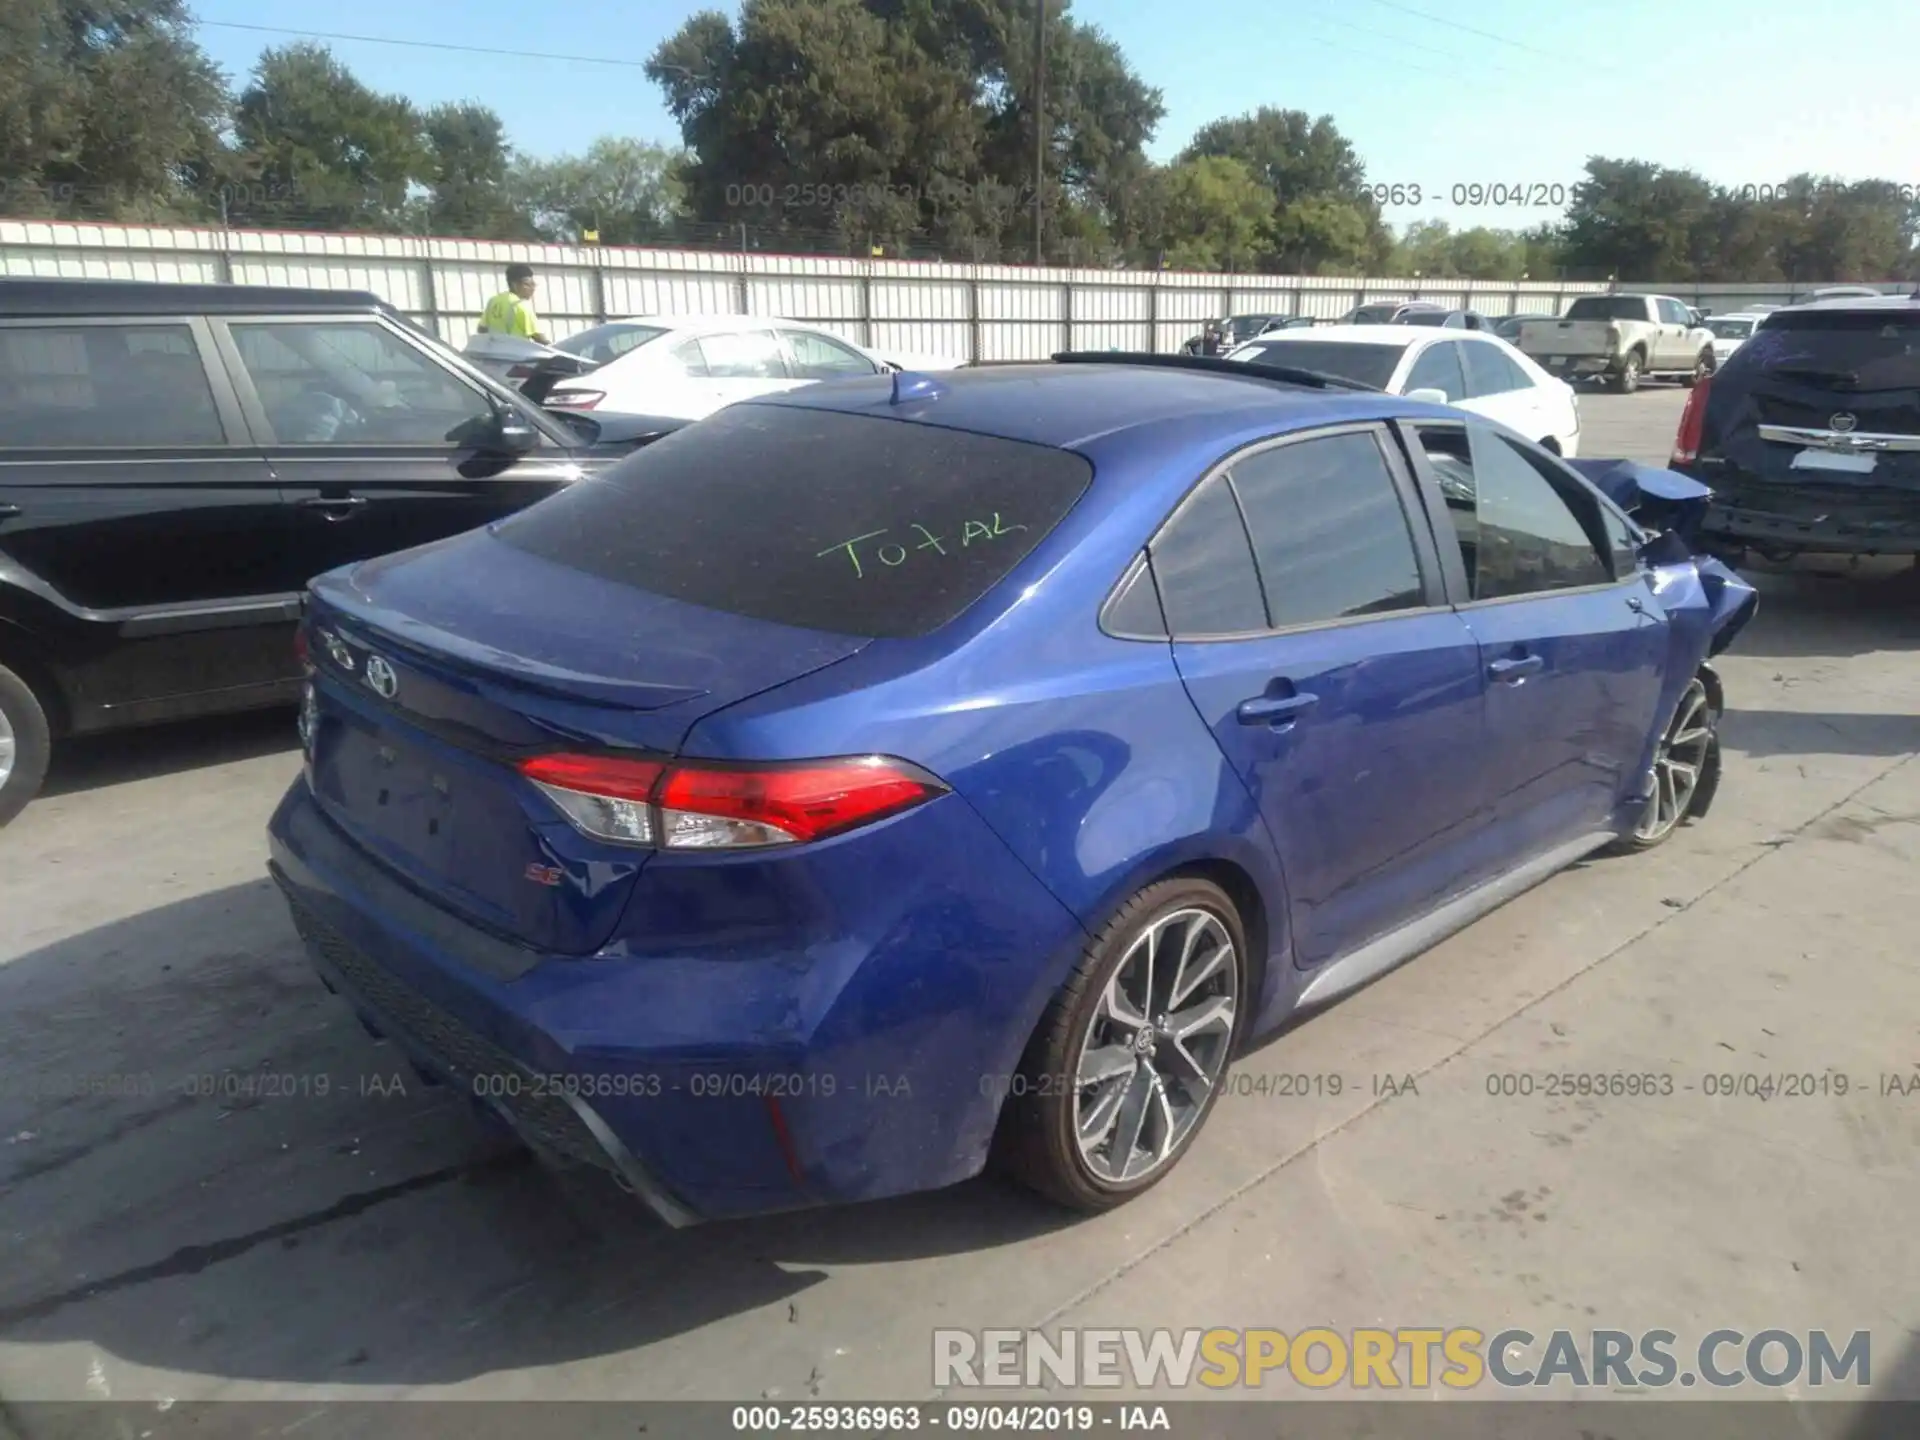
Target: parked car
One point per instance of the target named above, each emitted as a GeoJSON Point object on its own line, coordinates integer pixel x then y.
{"type": "Point", "coordinates": [528, 365]}
{"type": "Point", "coordinates": [881, 776]}
{"type": "Point", "coordinates": [177, 460]}
{"type": "Point", "coordinates": [1480, 373]}
{"type": "Point", "coordinates": [1841, 292]}
{"type": "Point", "coordinates": [1238, 329]}
{"type": "Point", "coordinates": [1730, 332]}
{"type": "Point", "coordinates": [1624, 339]}
{"type": "Point", "coordinates": [1445, 319]}
{"type": "Point", "coordinates": [1810, 434]}
{"type": "Point", "coordinates": [1388, 312]}
{"type": "Point", "coordinates": [690, 365]}
{"type": "Point", "coordinates": [1507, 328]}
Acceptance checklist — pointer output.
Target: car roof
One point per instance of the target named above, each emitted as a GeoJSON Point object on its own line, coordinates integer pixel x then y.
{"type": "Point", "coordinates": [35, 296]}
{"type": "Point", "coordinates": [1363, 335]}
{"type": "Point", "coordinates": [702, 323]}
{"type": "Point", "coordinates": [1071, 406]}
{"type": "Point", "coordinates": [1898, 303]}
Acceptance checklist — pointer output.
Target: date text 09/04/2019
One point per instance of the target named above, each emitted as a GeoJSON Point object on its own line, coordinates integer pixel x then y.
{"type": "Point", "coordinates": [955, 1419]}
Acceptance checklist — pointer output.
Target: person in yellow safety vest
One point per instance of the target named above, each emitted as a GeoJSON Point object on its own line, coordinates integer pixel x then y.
{"type": "Point", "coordinates": [511, 311]}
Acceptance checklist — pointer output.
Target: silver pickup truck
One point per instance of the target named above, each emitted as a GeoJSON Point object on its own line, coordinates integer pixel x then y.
{"type": "Point", "coordinates": [1624, 338]}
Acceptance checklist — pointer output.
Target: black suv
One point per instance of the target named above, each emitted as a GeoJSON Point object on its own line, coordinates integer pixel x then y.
{"type": "Point", "coordinates": [1809, 434]}
{"type": "Point", "coordinates": [176, 461]}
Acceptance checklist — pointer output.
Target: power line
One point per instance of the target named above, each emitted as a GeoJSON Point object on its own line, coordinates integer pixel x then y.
{"type": "Point", "coordinates": [431, 45]}
{"type": "Point", "coordinates": [1462, 26]}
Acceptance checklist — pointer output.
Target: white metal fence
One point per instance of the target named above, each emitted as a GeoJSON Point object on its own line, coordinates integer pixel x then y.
{"type": "Point", "coordinates": [973, 312]}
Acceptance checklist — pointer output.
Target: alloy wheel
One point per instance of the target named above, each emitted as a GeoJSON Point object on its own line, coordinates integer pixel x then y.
{"type": "Point", "coordinates": [9, 748]}
{"type": "Point", "coordinates": [1677, 765]}
{"type": "Point", "coordinates": [1155, 1046]}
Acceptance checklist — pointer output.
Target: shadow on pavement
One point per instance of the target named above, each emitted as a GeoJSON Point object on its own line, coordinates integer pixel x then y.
{"type": "Point", "coordinates": [1832, 616]}
{"type": "Point", "coordinates": [90, 762]}
{"type": "Point", "coordinates": [207, 1166]}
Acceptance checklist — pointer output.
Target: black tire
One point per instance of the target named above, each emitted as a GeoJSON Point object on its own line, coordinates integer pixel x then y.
{"type": "Point", "coordinates": [23, 720]}
{"type": "Point", "coordinates": [1036, 1143]}
{"type": "Point", "coordinates": [1626, 379]}
{"type": "Point", "coordinates": [1640, 840]}
{"type": "Point", "coordinates": [1702, 368]}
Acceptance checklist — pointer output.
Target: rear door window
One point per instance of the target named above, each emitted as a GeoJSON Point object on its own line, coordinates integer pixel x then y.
{"type": "Point", "coordinates": [1328, 529]}
{"type": "Point", "coordinates": [1490, 371]}
{"type": "Point", "coordinates": [84, 386]}
{"type": "Point", "coordinates": [843, 523]}
{"type": "Point", "coordinates": [1203, 565]}
{"type": "Point", "coordinates": [743, 355]}
{"type": "Point", "coordinates": [1438, 368]}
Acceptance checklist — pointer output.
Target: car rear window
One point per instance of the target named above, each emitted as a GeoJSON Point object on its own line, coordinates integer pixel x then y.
{"type": "Point", "coordinates": [1367, 363]}
{"type": "Point", "coordinates": [609, 342]}
{"type": "Point", "coordinates": [1730, 329]}
{"type": "Point", "coordinates": [1608, 307]}
{"type": "Point", "coordinates": [1863, 350]}
{"type": "Point", "coordinates": [844, 523]}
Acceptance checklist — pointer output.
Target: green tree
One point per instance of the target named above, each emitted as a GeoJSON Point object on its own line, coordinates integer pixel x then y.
{"type": "Point", "coordinates": [467, 165]}
{"type": "Point", "coordinates": [887, 119]}
{"type": "Point", "coordinates": [1322, 222]}
{"type": "Point", "coordinates": [320, 149]}
{"type": "Point", "coordinates": [107, 108]}
{"type": "Point", "coordinates": [627, 190]}
{"type": "Point", "coordinates": [1635, 220]}
{"type": "Point", "coordinates": [1209, 213]}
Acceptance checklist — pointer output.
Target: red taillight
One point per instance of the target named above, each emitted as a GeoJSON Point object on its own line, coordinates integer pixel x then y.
{"type": "Point", "coordinates": [1686, 445]}
{"type": "Point", "coordinates": [576, 399]}
{"type": "Point", "coordinates": [695, 807]}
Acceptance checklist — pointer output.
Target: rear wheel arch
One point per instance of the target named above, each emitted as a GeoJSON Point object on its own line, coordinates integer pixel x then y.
{"type": "Point", "coordinates": [20, 654]}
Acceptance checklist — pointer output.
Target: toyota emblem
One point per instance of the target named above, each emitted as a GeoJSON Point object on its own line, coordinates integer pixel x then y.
{"type": "Point", "coordinates": [1842, 423]}
{"type": "Point", "coordinates": [381, 678]}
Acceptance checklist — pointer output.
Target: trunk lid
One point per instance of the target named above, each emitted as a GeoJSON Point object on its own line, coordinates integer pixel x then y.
{"type": "Point", "coordinates": [437, 669]}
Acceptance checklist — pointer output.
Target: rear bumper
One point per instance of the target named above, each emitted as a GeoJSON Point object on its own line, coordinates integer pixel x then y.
{"type": "Point", "coordinates": [795, 1071]}
{"type": "Point", "coordinates": [1575, 366]}
{"type": "Point", "coordinates": [1733, 526]}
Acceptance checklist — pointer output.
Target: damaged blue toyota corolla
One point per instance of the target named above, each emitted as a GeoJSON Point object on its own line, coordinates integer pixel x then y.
{"type": "Point", "coordinates": [896, 775]}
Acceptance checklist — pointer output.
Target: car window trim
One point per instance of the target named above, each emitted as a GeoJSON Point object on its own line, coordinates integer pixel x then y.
{"type": "Point", "coordinates": [1424, 554]}
{"type": "Point", "coordinates": [1140, 566]}
{"type": "Point", "coordinates": [228, 409]}
{"type": "Point", "coordinates": [255, 410]}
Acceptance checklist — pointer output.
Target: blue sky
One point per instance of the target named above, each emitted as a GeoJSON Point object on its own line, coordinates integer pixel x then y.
{"type": "Point", "coordinates": [1514, 93]}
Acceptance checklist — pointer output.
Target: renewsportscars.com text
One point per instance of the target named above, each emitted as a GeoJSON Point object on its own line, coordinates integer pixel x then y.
{"type": "Point", "coordinates": [1459, 1358]}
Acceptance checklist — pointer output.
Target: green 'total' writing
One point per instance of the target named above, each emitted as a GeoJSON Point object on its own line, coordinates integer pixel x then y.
{"type": "Point", "coordinates": [892, 553]}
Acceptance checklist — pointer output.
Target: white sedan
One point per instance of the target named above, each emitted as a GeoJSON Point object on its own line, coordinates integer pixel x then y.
{"type": "Point", "coordinates": [1471, 369]}
{"type": "Point", "coordinates": [686, 367]}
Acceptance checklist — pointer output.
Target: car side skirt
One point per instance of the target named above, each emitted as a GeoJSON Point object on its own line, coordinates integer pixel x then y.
{"type": "Point", "coordinates": [1396, 947]}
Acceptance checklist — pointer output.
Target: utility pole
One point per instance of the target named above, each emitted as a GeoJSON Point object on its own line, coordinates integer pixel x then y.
{"type": "Point", "coordinates": [1039, 121]}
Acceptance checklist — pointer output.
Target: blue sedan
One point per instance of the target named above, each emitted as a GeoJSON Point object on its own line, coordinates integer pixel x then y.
{"type": "Point", "coordinates": [887, 777]}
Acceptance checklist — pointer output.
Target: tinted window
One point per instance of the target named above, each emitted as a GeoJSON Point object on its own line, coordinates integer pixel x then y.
{"type": "Point", "coordinates": [609, 342]}
{"type": "Point", "coordinates": [346, 382]}
{"type": "Point", "coordinates": [1608, 307]}
{"type": "Point", "coordinates": [688, 358]}
{"type": "Point", "coordinates": [815, 357]}
{"type": "Point", "coordinates": [1369, 364]}
{"type": "Point", "coordinates": [86, 385]}
{"type": "Point", "coordinates": [743, 355]}
{"type": "Point", "coordinates": [1329, 532]}
{"type": "Point", "coordinates": [1859, 351]}
{"type": "Point", "coordinates": [843, 523]}
{"type": "Point", "coordinates": [1135, 610]}
{"type": "Point", "coordinates": [1517, 534]}
{"type": "Point", "coordinates": [1491, 371]}
{"type": "Point", "coordinates": [1203, 567]}
{"type": "Point", "coordinates": [1438, 368]}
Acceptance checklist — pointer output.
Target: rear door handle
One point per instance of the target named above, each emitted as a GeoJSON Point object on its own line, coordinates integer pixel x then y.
{"type": "Point", "coordinates": [1516, 668]}
{"type": "Point", "coordinates": [335, 507]}
{"type": "Point", "coordinates": [1275, 709]}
